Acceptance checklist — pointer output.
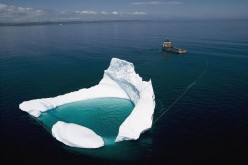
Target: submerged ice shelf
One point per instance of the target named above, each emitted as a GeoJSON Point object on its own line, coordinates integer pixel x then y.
{"type": "Point", "coordinates": [120, 81]}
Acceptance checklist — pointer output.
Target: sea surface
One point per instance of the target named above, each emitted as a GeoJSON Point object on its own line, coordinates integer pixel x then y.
{"type": "Point", "coordinates": [201, 114]}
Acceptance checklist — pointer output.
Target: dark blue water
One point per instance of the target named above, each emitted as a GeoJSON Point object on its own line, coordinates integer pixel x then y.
{"type": "Point", "coordinates": [207, 125]}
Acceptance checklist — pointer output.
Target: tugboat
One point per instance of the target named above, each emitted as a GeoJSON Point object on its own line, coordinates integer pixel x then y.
{"type": "Point", "coordinates": [168, 47]}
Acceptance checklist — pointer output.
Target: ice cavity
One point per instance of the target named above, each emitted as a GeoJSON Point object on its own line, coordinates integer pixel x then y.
{"type": "Point", "coordinates": [121, 81]}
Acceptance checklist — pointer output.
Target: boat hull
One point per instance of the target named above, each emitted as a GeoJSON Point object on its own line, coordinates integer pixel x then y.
{"type": "Point", "coordinates": [175, 50]}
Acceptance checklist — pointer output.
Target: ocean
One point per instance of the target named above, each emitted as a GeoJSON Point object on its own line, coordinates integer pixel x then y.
{"type": "Point", "coordinates": [201, 114]}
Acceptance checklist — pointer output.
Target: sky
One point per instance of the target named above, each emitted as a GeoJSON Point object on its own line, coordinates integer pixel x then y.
{"type": "Point", "coordinates": [93, 10]}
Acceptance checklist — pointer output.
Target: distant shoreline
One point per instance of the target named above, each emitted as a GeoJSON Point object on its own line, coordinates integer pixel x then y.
{"type": "Point", "coordinates": [99, 21]}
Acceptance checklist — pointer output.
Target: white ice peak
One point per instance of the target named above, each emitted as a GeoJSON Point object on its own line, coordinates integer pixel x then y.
{"type": "Point", "coordinates": [123, 73]}
{"type": "Point", "coordinates": [119, 80]}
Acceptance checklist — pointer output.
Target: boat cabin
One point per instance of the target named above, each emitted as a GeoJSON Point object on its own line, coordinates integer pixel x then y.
{"type": "Point", "coordinates": [167, 44]}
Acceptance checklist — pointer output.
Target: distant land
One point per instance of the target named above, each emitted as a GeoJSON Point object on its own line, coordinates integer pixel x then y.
{"type": "Point", "coordinates": [97, 21]}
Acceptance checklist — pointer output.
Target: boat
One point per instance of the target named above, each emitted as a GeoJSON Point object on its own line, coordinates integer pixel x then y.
{"type": "Point", "coordinates": [168, 47]}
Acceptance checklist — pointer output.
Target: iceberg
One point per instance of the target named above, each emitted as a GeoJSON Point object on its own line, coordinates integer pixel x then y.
{"type": "Point", "coordinates": [120, 81]}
